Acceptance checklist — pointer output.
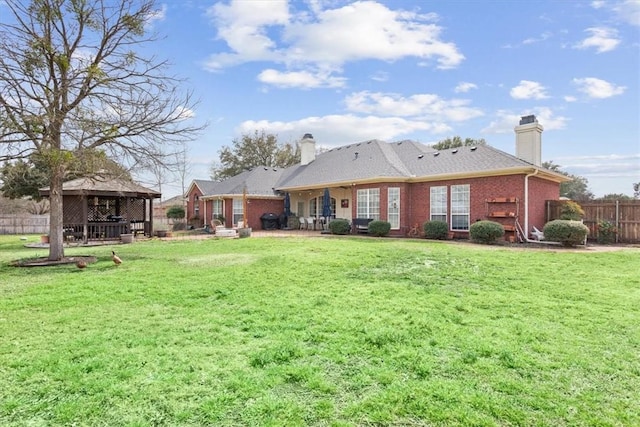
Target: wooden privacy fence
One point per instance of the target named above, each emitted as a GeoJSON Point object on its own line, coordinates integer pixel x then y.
{"type": "Point", "coordinates": [24, 224]}
{"type": "Point", "coordinates": [624, 214]}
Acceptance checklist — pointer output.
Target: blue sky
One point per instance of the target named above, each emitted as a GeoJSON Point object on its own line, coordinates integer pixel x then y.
{"type": "Point", "coordinates": [414, 69]}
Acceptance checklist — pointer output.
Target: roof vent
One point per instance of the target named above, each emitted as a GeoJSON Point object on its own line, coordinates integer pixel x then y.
{"type": "Point", "coordinates": [473, 148]}
{"type": "Point", "coordinates": [454, 151]}
{"type": "Point", "coordinates": [437, 153]}
{"type": "Point", "coordinates": [356, 153]}
{"type": "Point", "coordinates": [421, 156]}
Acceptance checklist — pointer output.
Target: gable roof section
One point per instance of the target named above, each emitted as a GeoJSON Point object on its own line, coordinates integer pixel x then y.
{"type": "Point", "coordinates": [259, 181]}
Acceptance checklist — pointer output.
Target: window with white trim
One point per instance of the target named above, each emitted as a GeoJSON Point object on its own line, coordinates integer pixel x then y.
{"type": "Point", "coordinates": [217, 208]}
{"type": "Point", "coordinates": [460, 207]}
{"type": "Point", "coordinates": [368, 203]}
{"type": "Point", "coordinates": [393, 208]}
{"type": "Point", "coordinates": [238, 210]}
{"type": "Point", "coordinates": [438, 204]}
{"type": "Point", "coordinates": [196, 206]}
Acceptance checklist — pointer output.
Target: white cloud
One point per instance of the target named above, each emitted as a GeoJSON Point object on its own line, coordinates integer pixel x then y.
{"type": "Point", "coordinates": [505, 120]}
{"type": "Point", "coordinates": [326, 38]}
{"type": "Point", "coordinates": [603, 166]}
{"type": "Point", "coordinates": [337, 130]}
{"type": "Point", "coordinates": [626, 10]}
{"type": "Point", "coordinates": [569, 98]}
{"type": "Point", "coordinates": [380, 76]}
{"type": "Point", "coordinates": [427, 106]}
{"type": "Point", "coordinates": [464, 87]}
{"type": "Point", "coordinates": [528, 90]}
{"type": "Point", "coordinates": [603, 39]}
{"type": "Point", "coordinates": [542, 37]}
{"type": "Point", "coordinates": [243, 26]}
{"type": "Point", "coordinates": [300, 79]}
{"type": "Point", "coordinates": [597, 88]}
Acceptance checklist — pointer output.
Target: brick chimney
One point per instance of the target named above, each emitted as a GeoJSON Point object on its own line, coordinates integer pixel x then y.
{"type": "Point", "coordinates": [529, 140]}
{"type": "Point", "coordinates": [307, 149]}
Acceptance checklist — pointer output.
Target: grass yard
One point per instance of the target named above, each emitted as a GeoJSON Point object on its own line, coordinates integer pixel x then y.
{"type": "Point", "coordinates": [321, 332]}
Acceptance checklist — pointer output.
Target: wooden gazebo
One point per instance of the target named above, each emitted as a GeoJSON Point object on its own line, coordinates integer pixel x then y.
{"type": "Point", "coordinates": [102, 208]}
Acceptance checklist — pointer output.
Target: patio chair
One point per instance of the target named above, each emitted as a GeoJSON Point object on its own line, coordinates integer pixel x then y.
{"type": "Point", "coordinates": [303, 223]}
{"type": "Point", "coordinates": [311, 225]}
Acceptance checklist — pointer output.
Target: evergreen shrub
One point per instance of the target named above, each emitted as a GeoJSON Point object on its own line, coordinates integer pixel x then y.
{"type": "Point", "coordinates": [486, 231]}
{"type": "Point", "coordinates": [565, 232]}
{"type": "Point", "coordinates": [340, 226]}
{"type": "Point", "coordinates": [379, 228]}
{"type": "Point", "coordinates": [435, 230]}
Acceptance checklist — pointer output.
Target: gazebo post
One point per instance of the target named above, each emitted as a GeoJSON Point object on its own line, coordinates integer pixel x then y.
{"type": "Point", "coordinates": [150, 216]}
{"type": "Point", "coordinates": [85, 219]}
{"type": "Point", "coordinates": [128, 208]}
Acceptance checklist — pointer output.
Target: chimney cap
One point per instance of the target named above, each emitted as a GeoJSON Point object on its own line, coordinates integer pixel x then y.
{"type": "Point", "coordinates": [525, 120]}
{"type": "Point", "coordinates": [307, 136]}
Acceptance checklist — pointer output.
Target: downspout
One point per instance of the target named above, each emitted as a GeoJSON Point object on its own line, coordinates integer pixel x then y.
{"type": "Point", "coordinates": [526, 204]}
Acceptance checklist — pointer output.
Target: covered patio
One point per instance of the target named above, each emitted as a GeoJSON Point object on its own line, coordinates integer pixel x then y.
{"type": "Point", "coordinates": [103, 208]}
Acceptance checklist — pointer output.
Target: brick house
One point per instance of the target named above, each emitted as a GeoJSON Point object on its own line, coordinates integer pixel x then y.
{"type": "Point", "coordinates": [405, 183]}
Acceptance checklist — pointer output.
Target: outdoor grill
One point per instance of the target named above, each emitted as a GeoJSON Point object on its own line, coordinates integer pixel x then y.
{"type": "Point", "coordinates": [270, 221]}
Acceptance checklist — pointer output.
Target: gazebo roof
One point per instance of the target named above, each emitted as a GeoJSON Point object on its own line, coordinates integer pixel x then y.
{"type": "Point", "coordinates": [103, 186]}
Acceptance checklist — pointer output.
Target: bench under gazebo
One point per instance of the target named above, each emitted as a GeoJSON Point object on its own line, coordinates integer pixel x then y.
{"type": "Point", "coordinates": [103, 208]}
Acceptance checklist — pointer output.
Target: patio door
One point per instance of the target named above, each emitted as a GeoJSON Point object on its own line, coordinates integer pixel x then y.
{"type": "Point", "coordinates": [393, 208]}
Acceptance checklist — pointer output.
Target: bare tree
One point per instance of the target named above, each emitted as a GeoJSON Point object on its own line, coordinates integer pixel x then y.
{"type": "Point", "coordinates": [183, 169]}
{"type": "Point", "coordinates": [73, 80]}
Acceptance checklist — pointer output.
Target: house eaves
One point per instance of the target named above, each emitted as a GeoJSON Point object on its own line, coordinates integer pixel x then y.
{"type": "Point", "coordinates": [519, 170]}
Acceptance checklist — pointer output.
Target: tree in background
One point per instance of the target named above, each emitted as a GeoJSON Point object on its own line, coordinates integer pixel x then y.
{"type": "Point", "coordinates": [636, 190]}
{"type": "Point", "coordinates": [24, 178]}
{"type": "Point", "coordinates": [250, 151]}
{"type": "Point", "coordinates": [456, 141]}
{"type": "Point", "coordinates": [72, 81]}
{"type": "Point", "coordinates": [615, 196]}
{"type": "Point", "coordinates": [576, 189]}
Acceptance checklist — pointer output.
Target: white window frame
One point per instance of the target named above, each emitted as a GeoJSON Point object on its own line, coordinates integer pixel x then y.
{"type": "Point", "coordinates": [368, 200]}
{"type": "Point", "coordinates": [393, 207]}
{"type": "Point", "coordinates": [438, 203]}
{"type": "Point", "coordinates": [460, 207]}
{"type": "Point", "coordinates": [238, 211]}
{"type": "Point", "coordinates": [217, 208]}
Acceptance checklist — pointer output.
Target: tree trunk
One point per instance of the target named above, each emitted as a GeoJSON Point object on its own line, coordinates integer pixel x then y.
{"type": "Point", "coordinates": [56, 238]}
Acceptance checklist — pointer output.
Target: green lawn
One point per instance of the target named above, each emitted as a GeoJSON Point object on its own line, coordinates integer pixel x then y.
{"type": "Point", "coordinates": [321, 331]}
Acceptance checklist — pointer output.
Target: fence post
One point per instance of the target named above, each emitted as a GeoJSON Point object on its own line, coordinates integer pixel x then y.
{"type": "Point", "coordinates": [617, 219]}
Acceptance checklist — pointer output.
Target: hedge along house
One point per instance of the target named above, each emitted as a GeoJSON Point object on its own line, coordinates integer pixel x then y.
{"type": "Point", "coordinates": [407, 183]}
{"type": "Point", "coordinates": [103, 208]}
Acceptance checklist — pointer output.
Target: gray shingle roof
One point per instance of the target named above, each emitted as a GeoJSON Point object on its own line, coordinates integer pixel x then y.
{"type": "Point", "coordinates": [370, 160]}
{"type": "Point", "coordinates": [259, 181]}
{"type": "Point", "coordinates": [104, 185]}
{"type": "Point", "coordinates": [404, 159]}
